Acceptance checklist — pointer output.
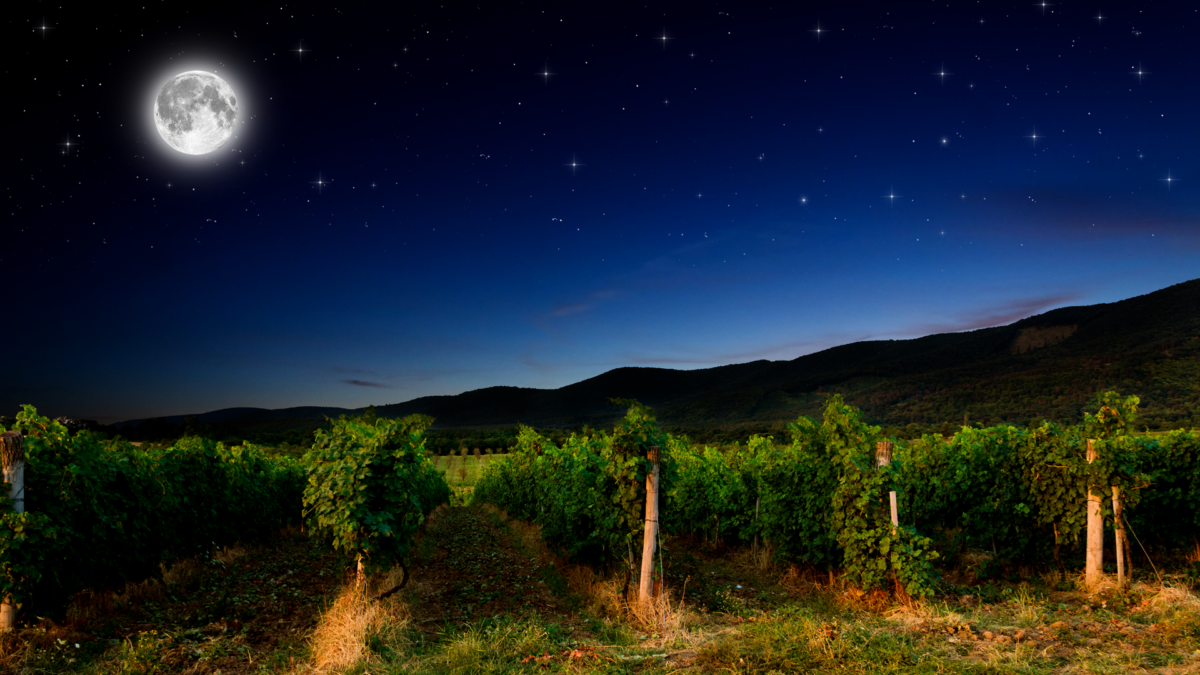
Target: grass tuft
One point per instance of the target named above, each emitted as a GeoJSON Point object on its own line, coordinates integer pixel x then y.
{"type": "Point", "coordinates": [351, 626]}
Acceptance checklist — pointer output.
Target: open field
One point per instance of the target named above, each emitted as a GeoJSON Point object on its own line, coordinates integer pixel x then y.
{"type": "Point", "coordinates": [463, 470]}
{"type": "Point", "coordinates": [487, 597]}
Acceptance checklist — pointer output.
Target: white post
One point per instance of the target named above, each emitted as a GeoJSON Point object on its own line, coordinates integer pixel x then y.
{"type": "Point", "coordinates": [1120, 527]}
{"type": "Point", "coordinates": [1094, 569]}
{"type": "Point", "coordinates": [12, 457]}
{"type": "Point", "coordinates": [645, 588]}
{"type": "Point", "coordinates": [883, 457]}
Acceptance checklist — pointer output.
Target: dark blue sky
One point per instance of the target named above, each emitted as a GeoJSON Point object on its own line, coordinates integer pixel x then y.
{"type": "Point", "coordinates": [532, 195]}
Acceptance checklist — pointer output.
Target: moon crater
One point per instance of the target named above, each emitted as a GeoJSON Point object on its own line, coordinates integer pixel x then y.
{"type": "Point", "coordinates": [195, 112]}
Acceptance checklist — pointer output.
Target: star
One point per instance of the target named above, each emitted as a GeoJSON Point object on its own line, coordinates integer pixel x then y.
{"type": "Point", "coordinates": [320, 183]}
{"type": "Point", "coordinates": [1100, 18]}
{"type": "Point", "coordinates": [1168, 180]}
{"type": "Point", "coordinates": [43, 28]}
{"type": "Point", "coordinates": [574, 164]}
{"type": "Point", "coordinates": [545, 74]}
{"type": "Point", "coordinates": [818, 30]}
{"type": "Point", "coordinates": [891, 196]}
{"type": "Point", "coordinates": [981, 22]}
{"type": "Point", "coordinates": [1043, 5]}
{"type": "Point", "coordinates": [1034, 137]}
{"type": "Point", "coordinates": [942, 74]}
{"type": "Point", "coordinates": [664, 38]}
{"type": "Point", "coordinates": [300, 51]}
{"type": "Point", "coordinates": [1140, 73]}
{"type": "Point", "coordinates": [945, 141]}
{"type": "Point", "coordinates": [67, 145]}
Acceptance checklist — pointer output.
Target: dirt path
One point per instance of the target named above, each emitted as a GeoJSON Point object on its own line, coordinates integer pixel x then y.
{"type": "Point", "coordinates": [472, 565]}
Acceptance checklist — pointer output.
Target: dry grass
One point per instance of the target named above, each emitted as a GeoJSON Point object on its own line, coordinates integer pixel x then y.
{"type": "Point", "coordinates": [135, 595]}
{"type": "Point", "coordinates": [807, 581]}
{"type": "Point", "coordinates": [229, 554]}
{"type": "Point", "coordinates": [186, 573]}
{"type": "Point", "coordinates": [761, 558]}
{"type": "Point", "coordinates": [664, 615]}
{"type": "Point", "coordinates": [1176, 597]}
{"type": "Point", "coordinates": [1193, 556]}
{"type": "Point", "coordinates": [340, 639]}
{"type": "Point", "coordinates": [89, 606]}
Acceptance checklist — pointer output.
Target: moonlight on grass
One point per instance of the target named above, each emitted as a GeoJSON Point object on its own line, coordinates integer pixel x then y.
{"type": "Point", "coordinates": [195, 111]}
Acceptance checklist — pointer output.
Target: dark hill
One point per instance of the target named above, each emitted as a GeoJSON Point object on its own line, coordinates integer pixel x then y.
{"type": "Point", "coordinates": [1044, 367]}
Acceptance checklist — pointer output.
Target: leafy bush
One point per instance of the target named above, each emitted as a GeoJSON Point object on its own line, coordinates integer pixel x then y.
{"type": "Point", "coordinates": [371, 485]}
{"type": "Point", "coordinates": [820, 500]}
{"type": "Point", "coordinates": [587, 495]}
{"type": "Point", "coordinates": [100, 513]}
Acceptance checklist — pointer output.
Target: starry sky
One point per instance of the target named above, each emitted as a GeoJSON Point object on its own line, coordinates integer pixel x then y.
{"type": "Point", "coordinates": [440, 197]}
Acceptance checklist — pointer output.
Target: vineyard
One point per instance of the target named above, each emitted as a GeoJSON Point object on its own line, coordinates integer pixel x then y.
{"type": "Point", "coordinates": [821, 501]}
{"type": "Point", "coordinates": [1002, 505]}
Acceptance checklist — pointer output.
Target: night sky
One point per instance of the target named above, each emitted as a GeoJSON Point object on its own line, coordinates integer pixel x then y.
{"type": "Point", "coordinates": [445, 197]}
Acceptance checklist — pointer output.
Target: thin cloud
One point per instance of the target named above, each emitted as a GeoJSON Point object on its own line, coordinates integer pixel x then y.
{"type": "Point", "coordinates": [967, 321]}
{"type": "Point", "coordinates": [367, 383]}
{"type": "Point", "coordinates": [783, 351]}
{"type": "Point", "coordinates": [588, 303]}
{"type": "Point", "coordinates": [1000, 315]}
{"type": "Point", "coordinates": [568, 310]}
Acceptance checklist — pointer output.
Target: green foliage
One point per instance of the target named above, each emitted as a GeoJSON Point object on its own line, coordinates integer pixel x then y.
{"type": "Point", "coordinates": [371, 485]}
{"type": "Point", "coordinates": [587, 495]}
{"type": "Point", "coordinates": [103, 512]}
{"type": "Point", "coordinates": [872, 550]}
{"type": "Point", "coordinates": [821, 500]}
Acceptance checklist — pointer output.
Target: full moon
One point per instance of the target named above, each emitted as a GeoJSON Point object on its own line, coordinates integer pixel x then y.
{"type": "Point", "coordinates": [195, 111]}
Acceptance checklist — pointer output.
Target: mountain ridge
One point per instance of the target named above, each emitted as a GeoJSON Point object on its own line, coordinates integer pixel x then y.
{"type": "Point", "coordinates": [925, 380]}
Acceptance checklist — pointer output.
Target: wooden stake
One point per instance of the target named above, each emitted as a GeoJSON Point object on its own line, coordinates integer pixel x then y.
{"type": "Point", "coordinates": [883, 457]}
{"type": "Point", "coordinates": [1120, 527]}
{"type": "Point", "coordinates": [757, 502]}
{"type": "Point", "coordinates": [1094, 568]}
{"type": "Point", "coordinates": [12, 459]}
{"type": "Point", "coordinates": [645, 588]}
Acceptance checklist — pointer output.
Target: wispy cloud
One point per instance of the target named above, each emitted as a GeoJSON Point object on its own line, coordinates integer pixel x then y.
{"type": "Point", "coordinates": [367, 383]}
{"type": "Point", "coordinates": [589, 302]}
{"type": "Point", "coordinates": [568, 310]}
{"type": "Point", "coordinates": [781, 351]}
{"type": "Point", "coordinates": [998, 315]}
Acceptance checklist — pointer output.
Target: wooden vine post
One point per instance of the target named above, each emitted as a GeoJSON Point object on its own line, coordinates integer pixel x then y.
{"type": "Point", "coordinates": [646, 587]}
{"type": "Point", "coordinates": [1120, 527]}
{"type": "Point", "coordinates": [883, 457]}
{"type": "Point", "coordinates": [12, 457]}
{"type": "Point", "coordinates": [1094, 569]}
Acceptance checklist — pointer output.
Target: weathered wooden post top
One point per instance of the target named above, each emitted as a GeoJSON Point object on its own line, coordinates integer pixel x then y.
{"type": "Point", "coordinates": [1094, 567]}
{"type": "Point", "coordinates": [883, 457]}
{"type": "Point", "coordinates": [649, 537]}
